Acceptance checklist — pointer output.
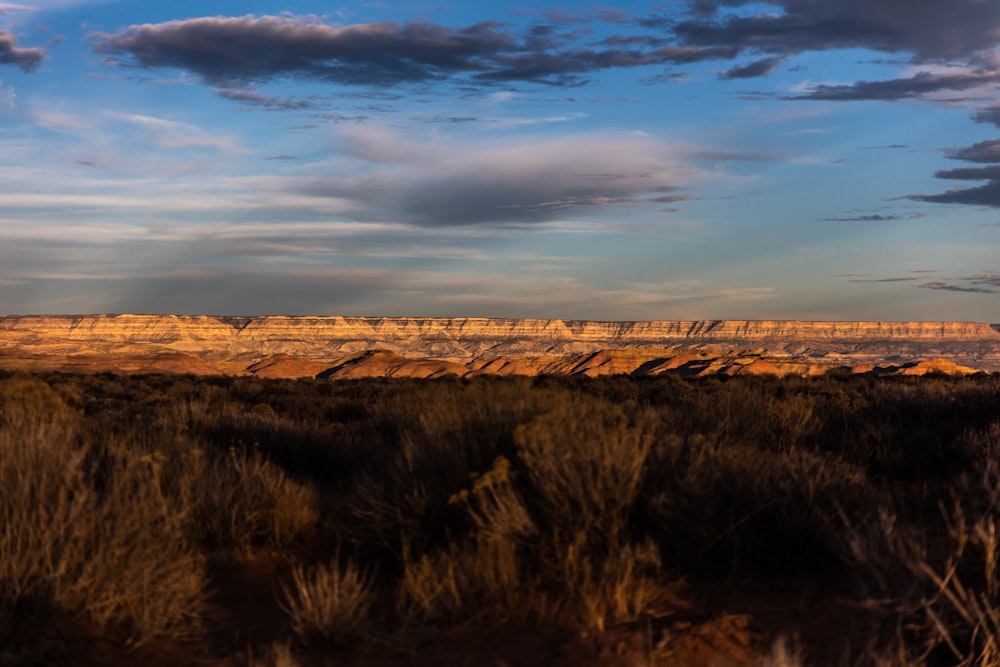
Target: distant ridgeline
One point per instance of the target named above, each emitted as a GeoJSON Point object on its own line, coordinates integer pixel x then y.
{"type": "Point", "coordinates": [204, 344]}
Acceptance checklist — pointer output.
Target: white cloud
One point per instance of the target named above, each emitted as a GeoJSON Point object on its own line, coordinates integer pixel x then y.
{"type": "Point", "coordinates": [61, 121]}
{"type": "Point", "coordinates": [172, 134]}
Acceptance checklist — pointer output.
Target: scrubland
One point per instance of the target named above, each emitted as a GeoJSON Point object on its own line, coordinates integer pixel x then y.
{"type": "Point", "coordinates": [617, 517]}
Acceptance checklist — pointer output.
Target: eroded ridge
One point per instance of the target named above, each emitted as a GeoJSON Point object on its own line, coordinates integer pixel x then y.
{"type": "Point", "coordinates": [234, 344]}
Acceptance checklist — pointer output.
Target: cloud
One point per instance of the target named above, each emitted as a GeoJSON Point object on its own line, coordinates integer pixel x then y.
{"type": "Point", "coordinates": [61, 121]}
{"type": "Point", "coordinates": [753, 70]}
{"type": "Point", "coordinates": [983, 151]}
{"type": "Point", "coordinates": [434, 184]}
{"type": "Point", "coordinates": [173, 134]}
{"type": "Point", "coordinates": [922, 83]}
{"type": "Point", "coordinates": [986, 279]}
{"type": "Point", "coordinates": [991, 115]}
{"type": "Point", "coordinates": [929, 29]}
{"type": "Point", "coordinates": [881, 280]}
{"type": "Point", "coordinates": [267, 102]}
{"type": "Point", "coordinates": [958, 288]}
{"type": "Point", "coordinates": [971, 173]}
{"type": "Point", "coordinates": [11, 54]}
{"type": "Point", "coordinates": [452, 119]}
{"type": "Point", "coordinates": [252, 48]}
{"type": "Point", "coordinates": [260, 48]}
{"type": "Point", "coordinates": [988, 194]}
{"type": "Point", "coordinates": [984, 195]}
{"type": "Point", "coordinates": [877, 217]}
{"type": "Point", "coordinates": [982, 283]}
{"type": "Point", "coordinates": [6, 96]}
{"type": "Point", "coordinates": [255, 49]}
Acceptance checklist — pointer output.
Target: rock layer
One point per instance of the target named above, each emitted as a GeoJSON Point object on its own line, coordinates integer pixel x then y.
{"type": "Point", "coordinates": [234, 344]}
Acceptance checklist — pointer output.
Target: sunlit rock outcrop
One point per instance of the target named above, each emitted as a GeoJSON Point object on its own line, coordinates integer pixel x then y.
{"type": "Point", "coordinates": [306, 346]}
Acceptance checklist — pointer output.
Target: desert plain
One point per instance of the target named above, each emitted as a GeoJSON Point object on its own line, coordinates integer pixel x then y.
{"type": "Point", "coordinates": [298, 491]}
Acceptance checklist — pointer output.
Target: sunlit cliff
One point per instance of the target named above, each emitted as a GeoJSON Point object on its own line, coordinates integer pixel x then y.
{"type": "Point", "coordinates": [233, 344]}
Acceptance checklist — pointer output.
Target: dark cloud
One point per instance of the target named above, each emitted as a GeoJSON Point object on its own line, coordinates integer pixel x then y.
{"type": "Point", "coordinates": [937, 285]}
{"type": "Point", "coordinates": [986, 279]}
{"type": "Point", "coordinates": [753, 70]}
{"type": "Point", "coordinates": [991, 173]}
{"type": "Point", "coordinates": [281, 157]}
{"type": "Point", "coordinates": [452, 119]}
{"type": "Point", "coordinates": [12, 54]}
{"type": "Point", "coordinates": [984, 195]}
{"type": "Point", "coordinates": [250, 48]}
{"type": "Point", "coordinates": [931, 30]}
{"type": "Point", "coordinates": [991, 115]}
{"type": "Point", "coordinates": [898, 89]}
{"type": "Point", "coordinates": [928, 31]}
{"type": "Point", "coordinates": [984, 151]}
{"type": "Point", "coordinates": [882, 280]}
{"type": "Point", "coordinates": [670, 199]}
{"type": "Point", "coordinates": [229, 50]}
{"type": "Point", "coordinates": [988, 194]}
{"type": "Point", "coordinates": [267, 102]}
{"type": "Point", "coordinates": [535, 182]}
{"type": "Point", "coordinates": [865, 218]}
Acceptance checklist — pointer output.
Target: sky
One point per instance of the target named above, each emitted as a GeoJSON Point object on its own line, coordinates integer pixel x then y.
{"type": "Point", "coordinates": [678, 160]}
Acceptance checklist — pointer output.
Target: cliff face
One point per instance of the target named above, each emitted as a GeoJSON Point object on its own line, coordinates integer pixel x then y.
{"type": "Point", "coordinates": [234, 340]}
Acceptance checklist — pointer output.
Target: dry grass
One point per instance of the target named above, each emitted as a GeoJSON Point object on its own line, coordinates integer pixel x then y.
{"type": "Point", "coordinates": [940, 583]}
{"type": "Point", "coordinates": [109, 546]}
{"type": "Point", "coordinates": [784, 653]}
{"type": "Point", "coordinates": [328, 604]}
{"type": "Point", "coordinates": [585, 460]}
{"type": "Point", "coordinates": [613, 588]}
{"type": "Point", "coordinates": [462, 584]}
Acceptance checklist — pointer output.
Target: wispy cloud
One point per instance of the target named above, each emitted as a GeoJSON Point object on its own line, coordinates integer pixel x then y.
{"type": "Point", "coordinates": [982, 283]}
{"type": "Point", "coordinates": [173, 134]}
{"type": "Point", "coordinates": [251, 97]}
{"type": "Point", "coordinates": [958, 288]}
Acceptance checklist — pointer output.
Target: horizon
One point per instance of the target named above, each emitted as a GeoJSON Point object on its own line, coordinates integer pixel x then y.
{"type": "Point", "coordinates": [700, 160]}
{"type": "Point", "coordinates": [993, 325]}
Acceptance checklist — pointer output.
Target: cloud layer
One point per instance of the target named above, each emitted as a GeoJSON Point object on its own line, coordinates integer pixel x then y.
{"type": "Point", "coordinates": [434, 183]}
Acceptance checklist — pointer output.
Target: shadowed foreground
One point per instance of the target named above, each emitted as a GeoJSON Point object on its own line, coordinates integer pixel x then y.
{"type": "Point", "coordinates": [161, 520]}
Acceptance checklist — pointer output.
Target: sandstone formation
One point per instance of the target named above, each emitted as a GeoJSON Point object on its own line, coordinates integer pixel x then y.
{"type": "Point", "coordinates": [344, 347]}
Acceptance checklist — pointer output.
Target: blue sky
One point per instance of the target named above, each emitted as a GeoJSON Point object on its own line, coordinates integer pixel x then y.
{"type": "Point", "coordinates": [709, 159]}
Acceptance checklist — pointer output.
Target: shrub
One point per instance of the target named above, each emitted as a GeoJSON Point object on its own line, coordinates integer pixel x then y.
{"type": "Point", "coordinates": [110, 547]}
{"type": "Point", "coordinates": [462, 583]}
{"type": "Point", "coordinates": [585, 461]}
{"type": "Point", "coordinates": [329, 604]}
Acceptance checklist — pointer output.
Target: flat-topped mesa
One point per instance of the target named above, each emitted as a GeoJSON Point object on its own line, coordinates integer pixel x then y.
{"type": "Point", "coordinates": [588, 330]}
{"type": "Point", "coordinates": [324, 338]}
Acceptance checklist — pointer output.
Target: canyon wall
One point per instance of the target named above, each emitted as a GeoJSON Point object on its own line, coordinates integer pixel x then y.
{"type": "Point", "coordinates": [238, 342]}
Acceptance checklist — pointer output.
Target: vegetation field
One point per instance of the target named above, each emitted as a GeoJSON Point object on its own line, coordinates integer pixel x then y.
{"type": "Point", "coordinates": [154, 519]}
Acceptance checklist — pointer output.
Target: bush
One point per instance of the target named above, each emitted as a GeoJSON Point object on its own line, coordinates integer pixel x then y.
{"type": "Point", "coordinates": [329, 604]}
{"type": "Point", "coordinates": [109, 546]}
